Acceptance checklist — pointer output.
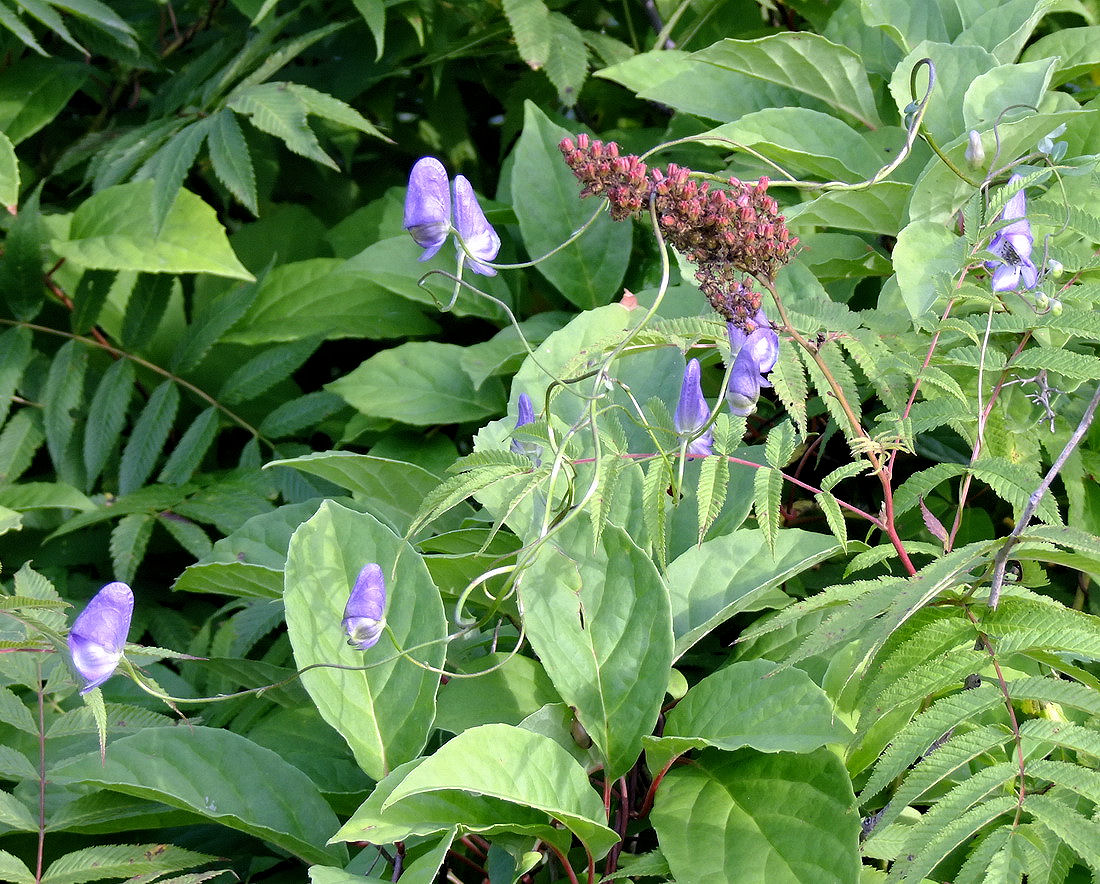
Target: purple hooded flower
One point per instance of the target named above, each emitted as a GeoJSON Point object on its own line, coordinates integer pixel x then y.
{"type": "Point", "coordinates": [692, 412]}
{"type": "Point", "coordinates": [428, 206]}
{"type": "Point", "coordinates": [526, 415]}
{"type": "Point", "coordinates": [757, 353]}
{"type": "Point", "coordinates": [1012, 244]}
{"type": "Point", "coordinates": [476, 233]}
{"type": "Point", "coordinates": [99, 634]}
{"type": "Point", "coordinates": [365, 612]}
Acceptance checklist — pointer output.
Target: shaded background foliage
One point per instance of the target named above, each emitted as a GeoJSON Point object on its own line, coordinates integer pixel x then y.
{"type": "Point", "coordinates": [234, 394]}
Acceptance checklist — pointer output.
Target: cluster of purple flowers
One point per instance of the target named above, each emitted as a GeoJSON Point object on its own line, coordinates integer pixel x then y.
{"type": "Point", "coordinates": [428, 216]}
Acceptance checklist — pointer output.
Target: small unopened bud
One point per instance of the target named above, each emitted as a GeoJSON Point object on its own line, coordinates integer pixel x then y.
{"type": "Point", "coordinates": [1055, 306]}
{"type": "Point", "coordinates": [1055, 268]}
{"type": "Point", "coordinates": [975, 152]}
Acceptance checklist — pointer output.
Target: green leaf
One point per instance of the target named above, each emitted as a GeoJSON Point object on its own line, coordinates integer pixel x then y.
{"type": "Point", "coordinates": [129, 538]}
{"type": "Point", "coordinates": [579, 620]}
{"type": "Point", "coordinates": [419, 383]}
{"type": "Point", "coordinates": [1014, 484]}
{"type": "Point", "coordinates": [1005, 85]}
{"type": "Point", "coordinates": [531, 28]}
{"type": "Point", "coordinates": [834, 517]}
{"type": "Point", "coordinates": [169, 166]}
{"type": "Point", "coordinates": [749, 578]}
{"type": "Point", "coordinates": [275, 109]}
{"type": "Point", "coordinates": [925, 254]}
{"type": "Point", "coordinates": [374, 14]}
{"type": "Point", "coordinates": [189, 535]}
{"type": "Point", "coordinates": [507, 694]}
{"type": "Point", "coordinates": [21, 266]}
{"type": "Point", "coordinates": [187, 456]}
{"type": "Point", "coordinates": [15, 713]}
{"type": "Point", "coordinates": [148, 436]}
{"type": "Point", "coordinates": [15, 353]}
{"type": "Point", "coordinates": [392, 490]}
{"type": "Point", "coordinates": [13, 869]}
{"type": "Point", "coordinates": [238, 579]}
{"type": "Point", "coordinates": [743, 818]}
{"type": "Point", "coordinates": [230, 159]}
{"type": "Point", "coordinates": [383, 712]}
{"type": "Point", "coordinates": [113, 230]}
{"type": "Point", "coordinates": [16, 814]}
{"type": "Point", "coordinates": [121, 860]}
{"type": "Point", "coordinates": [1076, 51]}
{"type": "Point", "coordinates": [264, 370]}
{"type": "Point", "coordinates": [325, 296]}
{"type": "Point", "coordinates": [145, 309]}
{"type": "Point", "coordinates": [789, 379]}
{"type": "Point", "coordinates": [768, 485]}
{"type": "Point", "coordinates": [89, 298]}
{"type": "Point", "coordinates": [546, 198]}
{"type": "Point", "coordinates": [804, 62]}
{"type": "Point", "coordinates": [14, 24]}
{"type": "Point", "coordinates": [42, 495]}
{"type": "Point", "coordinates": [209, 324]}
{"type": "Point", "coordinates": [567, 63]}
{"type": "Point", "coordinates": [296, 415]}
{"type": "Point", "coordinates": [34, 91]}
{"type": "Point", "coordinates": [908, 23]}
{"type": "Point", "coordinates": [519, 766]}
{"type": "Point", "coordinates": [9, 174]}
{"type": "Point", "coordinates": [878, 209]}
{"type": "Point", "coordinates": [749, 705]}
{"type": "Point", "coordinates": [63, 394]}
{"type": "Point", "coordinates": [711, 494]}
{"type": "Point", "coordinates": [327, 107]}
{"type": "Point", "coordinates": [220, 776]}
{"type": "Point", "coordinates": [804, 140]}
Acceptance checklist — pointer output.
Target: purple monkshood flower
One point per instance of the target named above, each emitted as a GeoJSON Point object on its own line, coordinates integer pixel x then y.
{"type": "Point", "coordinates": [364, 614]}
{"type": "Point", "coordinates": [1012, 244]}
{"type": "Point", "coordinates": [428, 216]}
{"type": "Point", "coordinates": [692, 412]}
{"type": "Point", "coordinates": [524, 416]}
{"type": "Point", "coordinates": [428, 206]}
{"type": "Point", "coordinates": [756, 353]}
{"type": "Point", "coordinates": [99, 634]}
{"type": "Point", "coordinates": [476, 233]}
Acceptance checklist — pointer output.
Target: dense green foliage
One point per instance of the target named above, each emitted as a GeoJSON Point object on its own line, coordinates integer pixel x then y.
{"type": "Point", "coordinates": [856, 642]}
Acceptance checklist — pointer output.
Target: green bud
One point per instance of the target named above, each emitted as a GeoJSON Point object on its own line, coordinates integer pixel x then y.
{"type": "Point", "coordinates": [975, 152]}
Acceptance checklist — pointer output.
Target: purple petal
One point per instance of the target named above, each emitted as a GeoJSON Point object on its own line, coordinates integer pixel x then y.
{"type": "Point", "coordinates": [364, 614]}
{"type": "Point", "coordinates": [1006, 277]}
{"type": "Point", "coordinates": [99, 634]}
{"type": "Point", "coordinates": [1030, 274]}
{"type": "Point", "coordinates": [428, 206]}
{"type": "Point", "coordinates": [737, 337]}
{"type": "Point", "coordinates": [480, 238]}
{"type": "Point", "coordinates": [763, 343]}
{"type": "Point", "coordinates": [1017, 206]}
{"type": "Point", "coordinates": [526, 415]}
{"type": "Point", "coordinates": [744, 388]}
{"type": "Point", "coordinates": [692, 412]}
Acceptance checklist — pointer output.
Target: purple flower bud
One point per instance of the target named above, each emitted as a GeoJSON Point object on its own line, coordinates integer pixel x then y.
{"type": "Point", "coordinates": [365, 612]}
{"type": "Point", "coordinates": [1012, 244]}
{"type": "Point", "coordinates": [99, 634]}
{"type": "Point", "coordinates": [692, 412]}
{"type": "Point", "coordinates": [477, 234]}
{"type": "Point", "coordinates": [744, 388]}
{"type": "Point", "coordinates": [975, 152]}
{"type": "Point", "coordinates": [525, 416]}
{"type": "Point", "coordinates": [428, 206]}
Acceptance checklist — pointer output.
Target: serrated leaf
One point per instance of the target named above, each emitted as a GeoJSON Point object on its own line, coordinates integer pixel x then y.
{"type": "Point", "coordinates": [120, 860]}
{"type": "Point", "coordinates": [789, 379]}
{"type": "Point", "coordinates": [169, 166]}
{"type": "Point", "coordinates": [191, 448]}
{"type": "Point", "coordinates": [148, 436]}
{"type": "Point", "coordinates": [273, 108]}
{"type": "Point", "coordinates": [920, 485]}
{"type": "Point", "coordinates": [63, 394]}
{"type": "Point", "coordinates": [531, 28]}
{"type": "Point", "coordinates": [106, 416]}
{"type": "Point", "coordinates": [768, 489]}
{"type": "Point", "coordinates": [230, 159]}
{"type": "Point", "coordinates": [89, 298]}
{"type": "Point", "coordinates": [15, 353]}
{"type": "Point", "coordinates": [1014, 484]}
{"type": "Point", "coordinates": [567, 63]}
{"type": "Point", "coordinates": [830, 354]}
{"type": "Point", "coordinates": [327, 107]}
{"type": "Point", "coordinates": [654, 502]}
{"type": "Point", "coordinates": [213, 321]}
{"type": "Point", "coordinates": [295, 415]}
{"type": "Point", "coordinates": [145, 309]}
{"type": "Point", "coordinates": [13, 869]}
{"type": "Point", "coordinates": [21, 276]}
{"type": "Point", "coordinates": [843, 472]}
{"type": "Point", "coordinates": [20, 439]}
{"type": "Point", "coordinates": [780, 446]}
{"type": "Point", "coordinates": [834, 517]}
{"type": "Point", "coordinates": [129, 538]}
{"type": "Point", "coordinates": [15, 813]}
{"type": "Point", "coordinates": [14, 24]}
{"type": "Point", "coordinates": [189, 535]}
{"type": "Point", "coordinates": [711, 494]}
{"type": "Point", "coordinates": [9, 174]}
{"type": "Point", "coordinates": [265, 369]}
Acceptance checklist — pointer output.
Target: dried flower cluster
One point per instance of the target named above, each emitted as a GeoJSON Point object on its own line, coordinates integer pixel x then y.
{"type": "Point", "coordinates": [732, 233]}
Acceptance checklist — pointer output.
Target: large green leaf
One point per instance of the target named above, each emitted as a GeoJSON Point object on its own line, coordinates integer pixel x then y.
{"type": "Point", "coordinates": [392, 490]}
{"type": "Point", "coordinates": [748, 704]}
{"type": "Point", "coordinates": [436, 811]}
{"type": "Point", "coordinates": [514, 688]}
{"type": "Point", "coordinates": [600, 622]}
{"type": "Point", "coordinates": [1077, 51]}
{"type": "Point", "coordinates": [113, 230]}
{"type": "Point", "coordinates": [926, 253]}
{"type": "Point", "coordinates": [420, 383]}
{"type": "Point", "coordinates": [325, 296]}
{"type": "Point", "coordinates": [546, 197]}
{"type": "Point", "coordinates": [384, 712]}
{"type": "Point", "coordinates": [713, 581]}
{"type": "Point", "coordinates": [34, 91]}
{"type": "Point", "coordinates": [219, 775]}
{"type": "Point", "coordinates": [804, 62]}
{"type": "Point", "coordinates": [744, 818]}
{"type": "Point", "coordinates": [519, 766]}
